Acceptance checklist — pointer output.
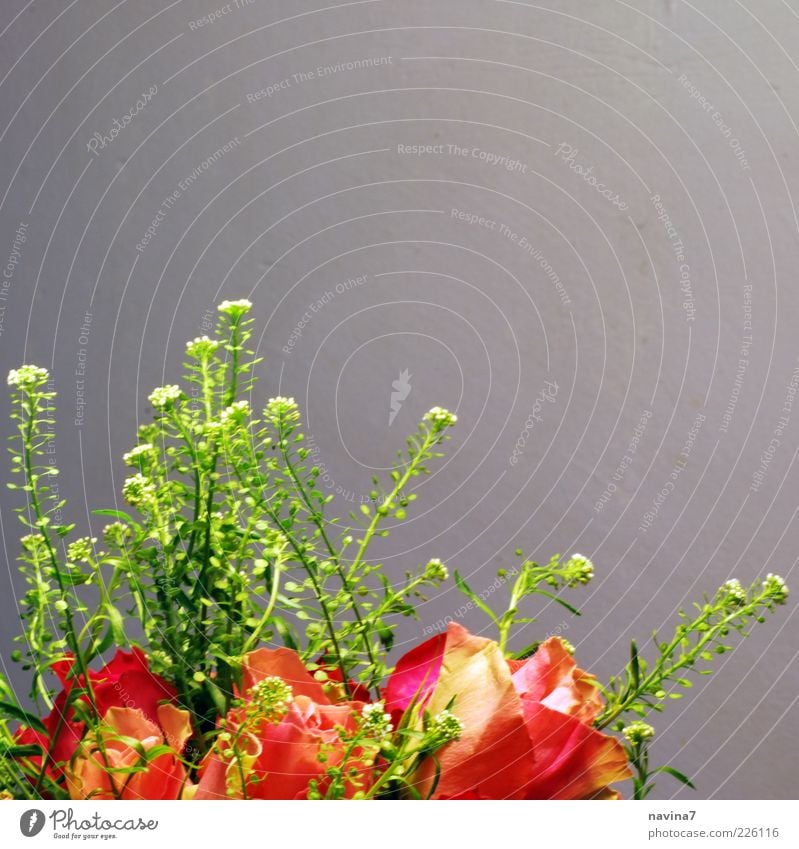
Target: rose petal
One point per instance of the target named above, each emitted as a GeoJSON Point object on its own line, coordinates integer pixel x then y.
{"type": "Point", "coordinates": [493, 758]}
{"type": "Point", "coordinates": [285, 664]}
{"type": "Point", "coordinates": [416, 674]}
{"type": "Point", "coordinates": [572, 759]}
{"type": "Point", "coordinates": [552, 677]}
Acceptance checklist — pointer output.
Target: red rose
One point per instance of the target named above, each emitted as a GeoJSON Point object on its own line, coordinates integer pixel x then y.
{"type": "Point", "coordinates": [140, 759]}
{"type": "Point", "coordinates": [527, 725]}
{"type": "Point", "coordinates": [124, 682]}
{"type": "Point", "coordinates": [280, 755]}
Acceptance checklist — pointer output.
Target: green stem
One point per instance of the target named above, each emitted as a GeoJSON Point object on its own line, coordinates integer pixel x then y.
{"type": "Point", "coordinates": [42, 525]}
{"type": "Point", "coordinates": [307, 565]}
{"type": "Point", "coordinates": [270, 607]}
{"type": "Point", "coordinates": [661, 672]}
{"type": "Point", "coordinates": [319, 523]}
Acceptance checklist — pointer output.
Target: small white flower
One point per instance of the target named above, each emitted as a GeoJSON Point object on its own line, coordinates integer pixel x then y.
{"type": "Point", "coordinates": [202, 347]}
{"type": "Point", "coordinates": [28, 377]}
{"type": "Point", "coordinates": [446, 727]}
{"type": "Point", "coordinates": [116, 533]}
{"type": "Point", "coordinates": [637, 732]}
{"type": "Point", "coordinates": [271, 698]}
{"type": "Point", "coordinates": [733, 593]}
{"type": "Point", "coordinates": [440, 418]}
{"type": "Point", "coordinates": [281, 410]}
{"type": "Point", "coordinates": [139, 491]}
{"type": "Point", "coordinates": [235, 309]}
{"type": "Point", "coordinates": [81, 549]}
{"type": "Point", "coordinates": [163, 397]}
{"type": "Point", "coordinates": [33, 543]}
{"type": "Point", "coordinates": [436, 571]}
{"type": "Point", "coordinates": [376, 722]}
{"type": "Point", "coordinates": [579, 570]}
{"type": "Point", "coordinates": [776, 587]}
{"type": "Point", "coordinates": [133, 457]}
{"type": "Point", "coordinates": [235, 413]}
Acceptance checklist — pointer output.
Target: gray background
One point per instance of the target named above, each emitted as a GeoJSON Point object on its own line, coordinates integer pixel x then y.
{"type": "Point", "coordinates": [697, 103]}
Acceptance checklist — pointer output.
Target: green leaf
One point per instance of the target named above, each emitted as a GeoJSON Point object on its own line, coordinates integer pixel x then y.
{"type": "Point", "coordinates": [217, 696]}
{"type": "Point", "coordinates": [527, 651]}
{"type": "Point", "coordinates": [115, 514]}
{"type": "Point", "coordinates": [669, 770]}
{"type": "Point", "coordinates": [16, 712]}
{"type": "Point", "coordinates": [29, 751]}
{"type": "Point", "coordinates": [635, 667]}
{"type": "Point", "coordinates": [478, 602]}
{"type": "Point", "coordinates": [559, 600]}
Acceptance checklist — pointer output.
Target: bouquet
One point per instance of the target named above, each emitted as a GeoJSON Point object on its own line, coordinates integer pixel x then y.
{"type": "Point", "coordinates": [226, 639]}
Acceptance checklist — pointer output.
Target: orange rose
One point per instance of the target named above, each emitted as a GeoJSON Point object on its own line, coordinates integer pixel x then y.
{"type": "Point", "coordinates": [527, 725]}
{"type": "Point", "coordinates": [278, 753]}
{"type": "Point", "coordinates": [148, 755]}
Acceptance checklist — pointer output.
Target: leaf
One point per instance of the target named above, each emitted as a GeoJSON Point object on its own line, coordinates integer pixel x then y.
{"type": "Point", "coordinates": [289, 640]}
{"type": "Point", "coordinates": [115, 514]}
{"type": "Point", "coordinates": [559, 600]}
{"type": "Point", "coordinates": [16, 712]}
{"type": "Point", "coordinates": [469, 593]}
{"type": "Point", "coordinates": [117, 624]}
{"type": "Point", "coordinates": [29, 751]}
{"type": "Point", "coordinates": [436, 777]}
{"type": "Point", "coordinates": [527, 651]}
{"type": "Point", "coordinates": [669, 770]}
{"type": "Point", "coordinates": [386, 635]}
{"type": "Point", "coordinates": [217, 696]}
{"type": "Point", "coordinates": [635, 667]}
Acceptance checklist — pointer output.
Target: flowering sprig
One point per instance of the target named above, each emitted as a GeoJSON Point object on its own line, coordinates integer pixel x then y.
{"type": "Point", "coordinates": [227, 545]}
{"type": "Point", "coordinates": [637, 737]}
{"type": "Point", "coordinates": [697, 640]}
{"type": "Point", "coordinates": [532, 579]}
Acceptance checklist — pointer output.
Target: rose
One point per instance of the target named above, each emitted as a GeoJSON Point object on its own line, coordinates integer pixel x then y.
{"type": "Point", "coordinates": [131, 757]}
{"type": "Point", "coordinates": [279, 742]}
{"type": "Point", "coordinates": [126, 681]}
{"type": "Point", "coordinates": [527, 724]}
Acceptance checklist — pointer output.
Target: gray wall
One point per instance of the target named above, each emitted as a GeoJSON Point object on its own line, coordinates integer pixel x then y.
{"type": "Point", "coordinates": [669, 299]}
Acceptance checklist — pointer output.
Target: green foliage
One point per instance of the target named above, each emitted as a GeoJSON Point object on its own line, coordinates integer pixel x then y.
{"type": "Point", "coordinates": [637, 737]}
{"type": "Point", "coordinates": [644, 686]}
{"type": "Point", "coordinates": [532, 580]}
{"type": "Point", "coordinates": [226, 544]}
